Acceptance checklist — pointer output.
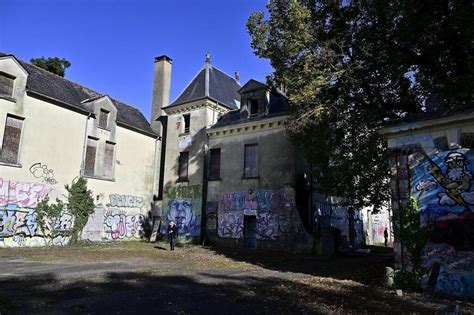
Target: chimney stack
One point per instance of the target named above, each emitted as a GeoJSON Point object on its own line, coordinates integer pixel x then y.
{"type": "Point", "coordinates": [161, 89]}
{"type": "Point", "coordinates": [237, 75]}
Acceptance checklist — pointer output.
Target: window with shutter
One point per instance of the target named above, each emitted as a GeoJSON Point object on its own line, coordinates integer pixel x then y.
{"type": "Point", "coordinates": [11, 140]}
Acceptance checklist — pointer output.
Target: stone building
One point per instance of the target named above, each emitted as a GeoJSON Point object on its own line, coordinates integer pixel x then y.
{"type": "Point", "coordinates": [228, 171]}
{"type": "Point", "coordinates": [52, 131]}
{"type": "Point", "coordinates": [432, 161]}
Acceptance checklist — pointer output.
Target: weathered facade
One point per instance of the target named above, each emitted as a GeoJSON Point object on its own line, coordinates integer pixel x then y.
{"type": "Point", "coordinates": [432, 162]}
{"type": "Point", "coordinates": [52, 131]}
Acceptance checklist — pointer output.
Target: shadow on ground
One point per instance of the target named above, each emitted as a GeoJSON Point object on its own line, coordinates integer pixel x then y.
{"type": "Point", "coordinates": [135, 292]}
{"type": "Point", "coordinates": [361, 267]}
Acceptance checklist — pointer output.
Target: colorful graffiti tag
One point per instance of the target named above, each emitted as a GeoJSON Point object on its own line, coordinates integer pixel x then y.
{"type": "Point", "coordinates": [121, 220]}
{"type": "Point", "coordinates": [183, 205]}
{"type": "Point", "coordinates": [121, 225]}
{"type": "Point", "coordinates": [21, 193]}
{"type": "Point", "coordinates": [18, 227]}
{"type": "Point", "coordinates": [271, 208]}
{"type": "Point", "coordinates": [442, 185]}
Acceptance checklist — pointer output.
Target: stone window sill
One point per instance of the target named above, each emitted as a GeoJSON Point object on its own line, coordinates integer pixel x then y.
{"type": "Point", "coordinates": [250, 177]}
{"type": "Point", "coordinates": [8, 98]}
{"type": "Point", "coordinates": [100, 178]}
{"type": "Point", "coordinates": [10, 164]}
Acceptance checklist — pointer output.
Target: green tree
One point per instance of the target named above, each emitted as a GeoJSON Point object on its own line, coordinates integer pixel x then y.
{"type": "Point", "coordinates": [349, 66]}
{"type": "Point", "coordinates": [80, 204]}
{"type": "Point", "coordinates": [52, 64]}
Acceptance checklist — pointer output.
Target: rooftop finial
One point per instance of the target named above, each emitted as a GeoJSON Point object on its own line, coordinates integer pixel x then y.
{"type": "Point", "coordinates": [208, 57]}
{"type": "Point", "coordinates": [237, 75]}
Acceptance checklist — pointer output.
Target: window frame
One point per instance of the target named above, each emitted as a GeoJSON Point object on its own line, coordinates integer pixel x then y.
{"type": "Point", "coordinates": [112, 166]}
{"type": "Point", "coordinates": [94, 174]}
{"type": "Point", "coordinates": [250, 176]}
{"type": "Point", "coordinates": [107, 115]}
{"type": "Point", "coordinates": [186, 127]}
{"type": "Point", "coordinates": [20, 140]}
{"type": "Point", "coordinates": [253, 105]}
{"type": "Point", "coordinates": [13, 78]}
{"type": "Point", "coordinates": [213, 176]}
{"type": "Point", "coordinates": [180, 166]}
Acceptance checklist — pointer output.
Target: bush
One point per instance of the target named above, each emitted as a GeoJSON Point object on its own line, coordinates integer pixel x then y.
{"type": "Point", "coordinates": [406, 280]}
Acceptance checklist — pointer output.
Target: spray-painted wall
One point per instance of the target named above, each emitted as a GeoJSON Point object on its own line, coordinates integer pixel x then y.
{"type": "Point", "coordinates": [430, 162]}
{"type": "Point", "coordinates": [50, 157]}
{"type": "Point", "coordinates": [442, 185]}
{"type": "Point", "coordinates": [183, 205]}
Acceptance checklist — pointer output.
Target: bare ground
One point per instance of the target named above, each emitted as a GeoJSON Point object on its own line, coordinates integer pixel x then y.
{"type": "Point", "coordinates": [136, 277]}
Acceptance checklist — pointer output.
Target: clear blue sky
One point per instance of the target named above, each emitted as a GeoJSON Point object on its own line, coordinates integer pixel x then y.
{"type": "Point", "coordinates": [112, 44]}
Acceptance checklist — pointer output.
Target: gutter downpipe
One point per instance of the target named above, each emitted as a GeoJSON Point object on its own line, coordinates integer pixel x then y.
{"type": "Point", "coordinates": [81, 171]}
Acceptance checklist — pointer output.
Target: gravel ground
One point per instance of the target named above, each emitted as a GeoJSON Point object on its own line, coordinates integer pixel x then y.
{"type": "Point", "coordinates": [137, 277]}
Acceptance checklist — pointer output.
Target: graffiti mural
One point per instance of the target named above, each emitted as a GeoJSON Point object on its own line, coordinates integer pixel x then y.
{"type": "Point", "coordinates": [42, 171]}
{"type": "Point", "coordinates": [183, 205]}
{"type": "Point", "coordinates": [125, 201]}
{"type": "Point", "coordinates": [18, 227]}
{"type": "Point", "coordinates": [121, 225]}
{"type": "Point", "coordinates": [21, 193]}
{"type": "Point", "coordinates": [442, 185]}
{"type": "Point", "coordinates": [271, 208]}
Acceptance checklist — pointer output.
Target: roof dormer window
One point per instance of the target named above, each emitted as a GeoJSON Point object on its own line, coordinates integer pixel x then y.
{"type": "Point", "coordinates": [6, 84]}
{"type": "Point", "coordinates": [253, 106]}
{"type": "Point", "coordinates": [104, 118]}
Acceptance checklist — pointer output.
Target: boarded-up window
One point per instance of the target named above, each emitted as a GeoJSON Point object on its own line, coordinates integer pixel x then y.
{"type": "Point", "coordinates": [11, 140]}
{"type": "Point", "coordinates": [6, 84]}
{"type": "Point", "coordinates": [467, 140]}
{"type": "Point", "coordinates": [251, 160]}
{"type": "Point", "coordinates": [91, 152]}
{"type": "Point", "coordinates": [215, 164]}
{"type": "Point", "coordinates": [109, 160]}
{"type": "Point", "coordinates": [183, 165]}
{"type": "Point", "coordinates": [103, 118]}
{"type": "Point", "coordinates": [187, 122]}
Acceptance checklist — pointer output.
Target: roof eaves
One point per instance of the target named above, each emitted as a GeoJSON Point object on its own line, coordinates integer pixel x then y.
{"type": "Point", "coordinates": [73, 107]}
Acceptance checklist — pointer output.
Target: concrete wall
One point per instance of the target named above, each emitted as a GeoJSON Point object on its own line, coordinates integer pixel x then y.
{"type": "Point", "coordinates": [432, 162]}
{"type": "Point", "coordinates": [51, 152]}
{"type": "Point", "coordinates": [270, 197]}
{"type": "Point", "coordinates": [182, 200]}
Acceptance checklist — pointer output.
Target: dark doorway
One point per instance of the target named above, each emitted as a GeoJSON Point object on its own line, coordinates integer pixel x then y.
{"type": "Point", "coordinates": [250, 231]}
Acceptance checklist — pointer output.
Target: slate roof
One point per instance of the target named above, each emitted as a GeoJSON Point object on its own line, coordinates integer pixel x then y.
{"type": "Point", "coordinates": [278, 106]}
{"type": "Point", "coordinates": [213, 84]}
{"type": "Point", "coordinates": [53, 86]}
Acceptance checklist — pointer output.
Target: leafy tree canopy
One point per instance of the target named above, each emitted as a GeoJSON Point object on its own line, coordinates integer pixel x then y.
{"type": "Point", "coordinates": [348, 66]}
{"type": "Point", "coordinates": [52, 64]}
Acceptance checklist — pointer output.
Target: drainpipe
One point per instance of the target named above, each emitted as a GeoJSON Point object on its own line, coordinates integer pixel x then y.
{"type": "Point", "coordinates": [81, 171]}
{"type": "Point", "coordinates": [204, 194]}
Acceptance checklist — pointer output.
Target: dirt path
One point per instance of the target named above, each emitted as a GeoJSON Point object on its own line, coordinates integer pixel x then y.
{"type": "Point", "coordinates": [140, 277]}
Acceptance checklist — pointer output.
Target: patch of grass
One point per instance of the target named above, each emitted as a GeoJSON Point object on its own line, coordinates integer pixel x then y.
{"type": "Point", "coordinates": [40, 258]}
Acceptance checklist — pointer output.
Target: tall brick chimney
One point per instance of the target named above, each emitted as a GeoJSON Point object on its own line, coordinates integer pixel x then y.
{"type": "Point", "coordinates": [161, 89]}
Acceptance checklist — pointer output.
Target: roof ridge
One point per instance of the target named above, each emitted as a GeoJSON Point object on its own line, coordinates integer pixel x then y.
{"type": "Point", "coordinates": [233, 78]}
{"type": "Point", "coordinates": [98, 94]}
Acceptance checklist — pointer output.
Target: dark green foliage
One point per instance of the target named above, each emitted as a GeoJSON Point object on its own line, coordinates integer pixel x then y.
{"type": "Point", "coordinates": [80, 205]}
{"type": "Point", "coordinates": [349, 66]}
{"type": "Point", "coordinates": [413, 235]}
{"type": "Point", "coordinates": [52, 64]}
{"type": "Point", "coordinates": [406, 280]}
{"type": "Point", "coordinates": [45, 211]}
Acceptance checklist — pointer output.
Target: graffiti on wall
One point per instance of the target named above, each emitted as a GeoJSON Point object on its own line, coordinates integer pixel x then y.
{"type": "Point", "coordinates": [211, 217]}
{"type": "Point", "coordinates": [125, 201]}
{"type": "Point", "coordinates": [122, 225]}
{"type": "Point", "coordinates": [42, 171]}
{"type": "Point", "coordinates": [327, 215]}
{"type": "Point", "coordinates": [18, 227]}
{"type": "Point", "coordinates": [271, 208]}
{"type": "Point", "coordinates": [121, 220]}
{"type": "Point", "coordinates": [183, 205]}
{"type": "Point", "coordinates": [21, 193]}
{"type": "Point", "coordinates": [442, 185]}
